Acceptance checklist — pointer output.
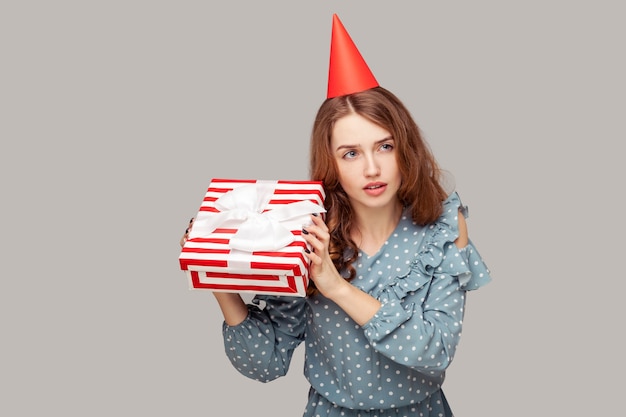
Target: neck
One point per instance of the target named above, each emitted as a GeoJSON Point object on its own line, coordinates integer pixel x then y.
{"type": "Point", "coordinates": [373, 227]}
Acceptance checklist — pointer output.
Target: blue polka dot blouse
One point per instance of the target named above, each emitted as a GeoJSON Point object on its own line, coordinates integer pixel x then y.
{"type": "Point", "coordinates": [395, 364]}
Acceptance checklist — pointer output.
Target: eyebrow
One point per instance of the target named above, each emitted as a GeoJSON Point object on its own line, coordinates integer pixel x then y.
{"type": "Point", "coordinates": [378, 142]}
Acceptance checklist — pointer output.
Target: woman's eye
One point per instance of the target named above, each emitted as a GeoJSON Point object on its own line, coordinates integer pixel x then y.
{"type": "Point", "coordinates": [350, 155]}
{"type": "Point", "coordinates": [386, 146]}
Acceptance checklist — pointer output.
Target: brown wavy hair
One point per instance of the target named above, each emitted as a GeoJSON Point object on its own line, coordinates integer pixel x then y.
{"type": "Point", "coordinates": [421, 191]}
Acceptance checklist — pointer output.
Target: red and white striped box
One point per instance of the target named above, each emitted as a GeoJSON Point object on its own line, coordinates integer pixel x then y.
{"type": "Point", "coordinates": [247, 237]}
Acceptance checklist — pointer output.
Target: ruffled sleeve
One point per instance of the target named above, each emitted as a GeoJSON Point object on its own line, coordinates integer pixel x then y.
{"type": "Point", "coordinates": [468, 266]}
{"type": "Point", "coordinates": [426, 304]}
{"type": "Point", "coordinates": [262, 345]}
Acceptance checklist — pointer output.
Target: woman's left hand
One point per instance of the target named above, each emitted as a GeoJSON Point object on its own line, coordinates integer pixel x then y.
{"type": "Point", "coordinates": [322, 270]}
{"type": "Point", "coordinates": [356, 303]}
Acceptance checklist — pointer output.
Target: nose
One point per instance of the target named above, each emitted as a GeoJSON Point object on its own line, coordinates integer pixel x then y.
{"type": "Point", "coordinates": [371, 168]}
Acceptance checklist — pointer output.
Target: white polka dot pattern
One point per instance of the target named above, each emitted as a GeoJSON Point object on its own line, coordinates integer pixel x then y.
{"type": "Point", "coordinates": [395, 364]}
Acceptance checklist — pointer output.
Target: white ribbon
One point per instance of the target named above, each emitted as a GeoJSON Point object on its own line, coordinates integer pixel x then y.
{"type": "Point", "coordinates": [243, 208]}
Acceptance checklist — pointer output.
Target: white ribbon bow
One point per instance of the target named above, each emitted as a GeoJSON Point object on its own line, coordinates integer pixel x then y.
{"type": "Point", "coordinates": [243, 208]}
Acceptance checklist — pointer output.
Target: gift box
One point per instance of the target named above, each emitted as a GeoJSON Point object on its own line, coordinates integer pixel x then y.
{"type": "Point", "coordinates": [247, 237]}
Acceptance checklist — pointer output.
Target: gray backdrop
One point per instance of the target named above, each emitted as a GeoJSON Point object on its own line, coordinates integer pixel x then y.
{"type": "Point", "coordinates": [116, 114]}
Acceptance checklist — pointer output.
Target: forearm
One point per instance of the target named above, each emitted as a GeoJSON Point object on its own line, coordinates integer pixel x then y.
{"type": "Point", "coordinates": [233, 307]}
{"type": "Point", "coordinates": [429, 318]}
{"type": "Point", "coordinates": [262, 345]}
{"type": "Point", "coordinates": [359, 305]}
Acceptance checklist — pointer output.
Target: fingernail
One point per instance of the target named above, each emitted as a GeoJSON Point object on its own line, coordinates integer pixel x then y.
{"type": "Point", "coordinates": [305, 232]}
{"type": "Point", "coordinates": [315, 214]}
{"type": "Point", "coordinates": [191, 221]}
{"type": "Point", "coordinates": [186, 230]}
{"type": "Point", "coordinates": [306, 250]}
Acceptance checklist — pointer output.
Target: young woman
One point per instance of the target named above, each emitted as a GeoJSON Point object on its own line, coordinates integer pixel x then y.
{"type": "Point", "coordinates": [391, 263]}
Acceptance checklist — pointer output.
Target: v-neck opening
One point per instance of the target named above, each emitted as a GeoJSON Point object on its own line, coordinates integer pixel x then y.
{"type": "Point", "coordinates": [387, 239]}
{"type": "Point", "coordinates": [385, 242]}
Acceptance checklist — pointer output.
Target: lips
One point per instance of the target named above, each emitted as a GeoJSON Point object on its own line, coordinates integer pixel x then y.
{"type": "Point", "coordinates": [375, 189]}
{"type": "Point", "coordinates": [374, 186]}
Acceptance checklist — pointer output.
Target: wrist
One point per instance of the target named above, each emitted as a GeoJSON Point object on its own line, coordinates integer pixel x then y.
{"type": "Point", "coordinates": [340, 290]}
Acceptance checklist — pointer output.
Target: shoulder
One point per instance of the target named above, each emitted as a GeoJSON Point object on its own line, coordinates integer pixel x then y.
{"type": "Point", "coordinates": [463, 238]}
{"type": "Point", "coordinates": [453, 220]}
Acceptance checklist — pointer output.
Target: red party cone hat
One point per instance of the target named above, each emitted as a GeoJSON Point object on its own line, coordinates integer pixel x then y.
{"type": "Point", "coordinates": [348, 73]}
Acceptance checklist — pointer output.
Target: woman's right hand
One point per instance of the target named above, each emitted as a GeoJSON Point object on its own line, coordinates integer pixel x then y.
{"type": "Point", "coordinates": [232, 305]}
{"type": "Point", "coordinates": [186, 235]}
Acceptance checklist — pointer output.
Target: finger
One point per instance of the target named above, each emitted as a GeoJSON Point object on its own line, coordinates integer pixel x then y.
{"type": "Point", "coordinates": [318, 233]}
{"type": "Point", "coordinates": [313, 257]}
{"type": "Point", "coordinates": [315, 244]}
{"type": "Point", "coordinates": [318, 221]}
{"type": "Point", "coordinates": [184, 238]}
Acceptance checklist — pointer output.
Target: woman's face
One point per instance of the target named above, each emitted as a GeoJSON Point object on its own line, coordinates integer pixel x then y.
{"type": "Point", "coordinates": [366, 158]}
